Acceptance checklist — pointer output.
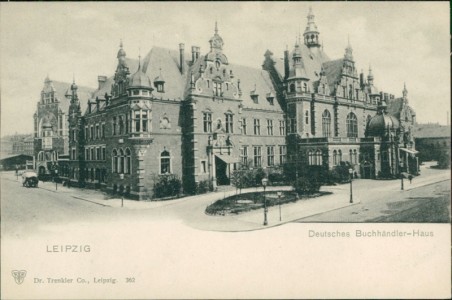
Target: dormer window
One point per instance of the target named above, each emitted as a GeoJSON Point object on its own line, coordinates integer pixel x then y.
{"type": "Point", "coordinates": [217, 64]}
{"type": "Point", "coordinates": [160, 87]}
{"type": "Point", "coordinates": [254, 96]}
{"type": "Point", "coordinates": [270, 98]}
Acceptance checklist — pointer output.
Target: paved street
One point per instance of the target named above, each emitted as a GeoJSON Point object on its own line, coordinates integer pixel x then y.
{"type": "Point", "coordinates": [161, 246]}
{"type": "Point", "coordinates": [26, 210]}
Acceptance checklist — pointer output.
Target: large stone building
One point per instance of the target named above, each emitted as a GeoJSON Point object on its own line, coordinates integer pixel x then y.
{"type": "Point", "coordinates": [51, 124]}
{"type": "Point", "coordinates": [199, 117]}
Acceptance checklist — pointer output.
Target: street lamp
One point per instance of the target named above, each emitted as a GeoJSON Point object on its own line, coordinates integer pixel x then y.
{"type": "Point", "coordinates": [279, 202]}
{"type": "Point", "coordinates": [56, 181]}
{"type": "Point", "coordinates": [264, 184]}
{"type": "Point", "coordinates": [351, 187]}
{"type": "Point", "coordinates": [401, 181]}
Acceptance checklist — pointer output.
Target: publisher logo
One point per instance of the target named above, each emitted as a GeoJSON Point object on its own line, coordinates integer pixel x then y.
{"type": "Point", "coordinates": [19, 276]}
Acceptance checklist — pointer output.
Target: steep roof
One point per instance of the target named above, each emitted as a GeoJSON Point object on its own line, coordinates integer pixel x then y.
{"type": "Point", "coordinates": [84, 93]}
{"type": "Point", "coordinates": [431, 131]}
{"type": "Point", "coordinates": [395, 107]}
{"type": "Point", "coordinates": [258, 81]}
{"type": "Point", "coordinates": [333, 70]}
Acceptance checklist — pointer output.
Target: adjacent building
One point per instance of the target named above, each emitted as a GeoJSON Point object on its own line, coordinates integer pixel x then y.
{"type": "Point", "coordinates": [199, 116]}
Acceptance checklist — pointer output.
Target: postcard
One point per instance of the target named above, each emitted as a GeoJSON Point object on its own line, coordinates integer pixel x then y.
{"type": "Point", "coordinates": [227, 150]}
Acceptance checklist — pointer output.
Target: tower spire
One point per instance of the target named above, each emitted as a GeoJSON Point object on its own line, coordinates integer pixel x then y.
{"type": "Point", "coordinates": [348, 51]}
{"type": "Point", "coordinates": [405, 91]}
{"type": "Point", "coordinates": [216, 27]}
{"type": "Point", "coordinates": [311, 33]}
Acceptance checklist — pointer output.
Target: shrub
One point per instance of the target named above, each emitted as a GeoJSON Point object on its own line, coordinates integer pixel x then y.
{"type": "Point", "coordinates": [306, 185]}
{"type": "Point", "coordinates": [204, 186]}
{"type": "Point", "coordinates": [167, 186]}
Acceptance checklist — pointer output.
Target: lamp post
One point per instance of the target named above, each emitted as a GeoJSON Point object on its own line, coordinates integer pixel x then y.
{"type": "Point", "coordinates": [401, 181]}
{"type": "Point", "coordinates": [279, 203]}
{"type": "Point", "coordinates": [56, 182]}
{"type": "Point", "coordinates": [264, 184]}
{"type": "Point", "coordinates": [351, 186]}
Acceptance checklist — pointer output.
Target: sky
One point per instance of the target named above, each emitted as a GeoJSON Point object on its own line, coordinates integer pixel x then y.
{"type": "Point", "coordinates": [402, 41]}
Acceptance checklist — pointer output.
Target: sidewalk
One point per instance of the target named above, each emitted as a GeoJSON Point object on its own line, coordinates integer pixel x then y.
{"type": "Point", "coordinates": [191, 209]}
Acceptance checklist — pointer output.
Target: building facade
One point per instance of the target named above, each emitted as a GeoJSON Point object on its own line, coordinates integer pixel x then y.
{"type": "Point", "coordinates": [199, 117]}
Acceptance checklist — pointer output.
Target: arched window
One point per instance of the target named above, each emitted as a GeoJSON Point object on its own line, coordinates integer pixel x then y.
{"type": "Point", "coordinates": [292, 88]}
{"type": "Point", "coordinates": [165, 162]}
{"type": "Point", "coordinates": [352, 125]}
{"type": "Point", "coordinates": [340, 155]}
{"type": "Point", "coordinates": [318, 157]}
{"type": "Point", "coordinates": [311, 158]}
{"type": "Point", "coordinates": [326, 123]}
{"type": "Point", "coordinates": [127, 162]}
{"type": "Point", "coordinates": [305, 87]}
{"type": "Point", "coordinates": [114, 158]}
{"type": "Point", "coordinates": [121, 161]}
{"type": "Point", "coordinates": [334, 157]}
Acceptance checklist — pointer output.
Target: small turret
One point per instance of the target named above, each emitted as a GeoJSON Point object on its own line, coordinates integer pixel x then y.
{"type": "Point", "coordinates": [311, 33]}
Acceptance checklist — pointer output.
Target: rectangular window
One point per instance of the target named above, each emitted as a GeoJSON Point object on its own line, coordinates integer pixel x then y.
{"type": "Point", "coordinates": [144, 120]}
{"type": "Point", "coordinates": [86, 133]}
{"type": "Point", "coordinates": [207, 122]}
{"type": "Point", "coordinates": [73, 154]}
{"type": "Point", "coordinates": [282, 127]}
{"type": "Point", "coordinates": [244, 155]}
{"type": "Point", "coordinates": [269, 127]}
{"type": "Point", "coordinates": [114, 125]}
{"type": "Point", "coordinates": [92, 132]}
{"type": "Point", "coordinates": [103, 129]}
{"type": "Point", "coordinates": [121, 125]}
{"type": "Point", "coordinates": [243, 125]}
{"type": "Point", "coordinates": [127, 123]}
{"type": "Point", "coordinates": [306, 117]}
{"type": "Point", "coordinates": [282, 154]}
{"type": "Point", "coordinates": [203, 166]}
{"type": "Point", "coordinates": [93, 155]}
{"type": "Point", "coordinates": [98, 156]}
{"type": "Point", "coordinates": [137, 121]}
{"type": "Point", "coordinates": [257, 157]}
{"type": "Point", "coordinates": [229, 124]}
{"type": "Point", "coordinates": [103, 153]}
{"type": "Point", "coordinates": [87, 154]}
{"type": "Point", "coordinates": [257, 127]}
{"type": "Point", "coordinates": [270, 156]}
{"type": "Point", "coordinates": [97, 132]}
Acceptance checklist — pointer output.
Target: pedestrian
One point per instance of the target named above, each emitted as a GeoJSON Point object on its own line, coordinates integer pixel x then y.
{"type": "Point", "coordinates": [410, 177]}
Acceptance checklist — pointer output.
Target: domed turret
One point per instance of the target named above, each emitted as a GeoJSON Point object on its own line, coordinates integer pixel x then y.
{"type": "Point", "coordinates": [382, 123]}
{"type": "Point", "coordinates": [139, 80]}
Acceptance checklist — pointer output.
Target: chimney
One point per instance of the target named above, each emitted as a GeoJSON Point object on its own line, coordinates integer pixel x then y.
{"type": "Point", "coordinates": [182, 58]}
{"type": "Point", "coordinates": [101, 80]}
{"type": "Point", "coordinates": [386, 96]}
{"type": "Point", "coordinates": [286, 64]}
{"type": "Point", "coordinates": [89, 106]}
{"type": "Point", "coordinates": [97, 103]}
{"type": "Point", "coordinates": [198, 51]}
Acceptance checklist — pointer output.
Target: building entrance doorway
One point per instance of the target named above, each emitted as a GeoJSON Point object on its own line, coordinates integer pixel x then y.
{"type": "Point", "coordinates": [367, 170]}
{"type": "Point", "coordinates": [221, 169]}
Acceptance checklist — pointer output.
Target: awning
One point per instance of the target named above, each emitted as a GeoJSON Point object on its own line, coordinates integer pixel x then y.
{"type": "Point", "coordinates": [227, 158]}
{"type": "Point", "coordinates": [409, 151]}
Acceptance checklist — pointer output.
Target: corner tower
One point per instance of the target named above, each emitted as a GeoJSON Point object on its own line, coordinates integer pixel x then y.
{"type": "Point", "coordinates": [311, 33]}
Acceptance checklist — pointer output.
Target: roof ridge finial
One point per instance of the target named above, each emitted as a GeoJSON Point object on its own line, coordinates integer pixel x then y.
{"type": "Point", "coordinates": [216, 27]}
{"type": "Point", "coordinates": [139, 58]}
{"type": "Point", "coordinates": [120, 43]}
